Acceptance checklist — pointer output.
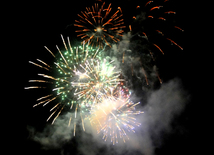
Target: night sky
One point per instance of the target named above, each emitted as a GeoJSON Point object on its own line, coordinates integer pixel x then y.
{"type": "Point", "coordinates": [43, 24]}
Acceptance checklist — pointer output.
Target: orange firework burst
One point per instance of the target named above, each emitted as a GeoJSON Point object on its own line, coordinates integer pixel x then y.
{"type": "Point", "coordinates": [153, 22]}
{"type": "Point", "coordinates": [154, 11]}
{"type": "Point", "coordinates": [99, 25]}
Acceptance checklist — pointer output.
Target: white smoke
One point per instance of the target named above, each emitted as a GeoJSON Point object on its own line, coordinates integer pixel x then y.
{"type": "Point", "coordinates": [163, 105]}
{"type": "Point", "coordinates": [53, 136]}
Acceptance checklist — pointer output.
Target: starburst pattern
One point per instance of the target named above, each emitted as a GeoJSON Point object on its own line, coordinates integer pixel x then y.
{"type": "Point", "coordinates": [99, 25]}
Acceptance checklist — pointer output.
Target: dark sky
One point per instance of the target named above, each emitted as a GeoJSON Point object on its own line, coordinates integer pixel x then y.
{"type": "Point", "coordinates": [42, 26]}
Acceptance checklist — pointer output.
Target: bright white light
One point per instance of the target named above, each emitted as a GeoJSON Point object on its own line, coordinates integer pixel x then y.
{"type": "Point", "coordinates": [99, 29]}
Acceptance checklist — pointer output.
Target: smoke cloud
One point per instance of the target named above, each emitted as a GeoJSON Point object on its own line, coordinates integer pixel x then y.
{"type": "Point", "coordinates": [162, 106]}
{"type": "Point", "coordinates": [53, 136]}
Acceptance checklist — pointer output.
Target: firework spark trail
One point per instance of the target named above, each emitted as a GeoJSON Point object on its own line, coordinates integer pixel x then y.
{"type": "Point", "coordinates": [38, 65]}
{"type": "Point", "coordinates": [158, 48]}
{"type": "Point", "coordinates": [99, 26]}
{"type": "Point", "coordinates": [178, 28]}
{"type": "Point", "coordinates": [115, 116]}
{"type": "Point", "coordinates": [174, 43]}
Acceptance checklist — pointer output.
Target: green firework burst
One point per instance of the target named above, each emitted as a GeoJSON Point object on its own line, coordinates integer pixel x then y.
{"type": "Point", "coordinates": [82, 77]}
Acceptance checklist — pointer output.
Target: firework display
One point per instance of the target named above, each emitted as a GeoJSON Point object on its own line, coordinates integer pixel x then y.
{"type": "Point", "coordinates": [99, 25]}
{"type": "Point", "coordinates": [69, 84]}
{"type": "Point", "coordinates": [90, 85]}
{"type": "Point", "coordinates": [115, 116]}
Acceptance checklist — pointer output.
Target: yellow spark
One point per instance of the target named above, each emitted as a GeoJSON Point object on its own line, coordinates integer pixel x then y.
{"type": "Point", "coordinates": [82, 122]}
{"type": "Point", "coordinates": [31, 87]}
{"type": "Point", "coordinates": [51, 115]}
{"type": "Point", "coordinates": [74, 128]}
{"type": "Point", "coordinates": [50, 51]}
{"type": "Point", "coordinates": [41, 102]}
{"type": "Point", "coordinates": [44, 97]}
{"type": "Point", "coordinates": [55, 106]}
{"type": "Point", "coordinates": [43, 63]}
{"type": "Point", "coordinates": [38, 65]}
{"type": "Point", "coordinates": [57, 115]}
{"type": "Point", "coordinates": [69, 121]}
{"type": "Point", "coordinates": [51, 100]}
{"type": "Point", "coordinates": [39, 81]}
{"type": "Point", "coordinates": [62, 55]}
{"type": "Point", "coordinates": [47, 76]}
